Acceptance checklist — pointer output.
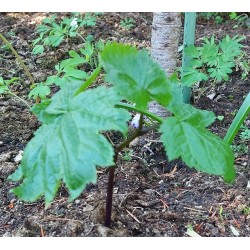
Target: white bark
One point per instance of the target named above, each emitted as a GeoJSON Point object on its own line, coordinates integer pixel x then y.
{"type": "Point", "coordinates": [164, 46]}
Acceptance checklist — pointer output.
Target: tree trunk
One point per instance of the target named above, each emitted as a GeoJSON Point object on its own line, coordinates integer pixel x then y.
{"type": "Point", "coordinates": [164, 46]}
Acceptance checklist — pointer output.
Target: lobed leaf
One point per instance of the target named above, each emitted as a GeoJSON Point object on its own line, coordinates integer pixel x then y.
{"type": "Point", "coordinates": [195, 117]}
{"type": "Point", "coordinates": [191, 76]}
{"type": "Point", "coordinates": [197, 147]}
{"type": "Point", "coordinates": [69, 145]}
{"type": "Point", "coordinates": [40, 90]}
{"type": "Point", "coordinates": [38, 49]}
{"type": "Point", "coordinates": [135, 75]}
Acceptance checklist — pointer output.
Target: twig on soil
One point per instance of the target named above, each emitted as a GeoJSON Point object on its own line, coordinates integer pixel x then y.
{"type": "Point", "coordinates": [126, 196]}
{"type": "Point", "coordinates": [133, 216]}
{"type": "Point", "coordinates": [165, 205]}
{"type": "Point", "coordinates": [195, 210]}
{"type": "Point", "coordinates": [4, 226]}
{"type": "Point", "coordinates": [42, 231]}
{"type": "Point", "coordinates": [60, 219]}
{"type": "Point", "coordinates": [144, 163]}
{"type": "Point", "coordinates": [7, 70]}
{"type": "Point", "coordinates": [89, 231]}
{"type": "Point", "coordinates": [214, 213]}
{"type": "Point", "coordinates": [157, 163]}
{"type": "Point", "coordinates": [236, 223]}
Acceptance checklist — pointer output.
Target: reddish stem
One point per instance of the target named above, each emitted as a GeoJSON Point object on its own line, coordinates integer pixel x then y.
{"type": "Point", "coordinates": [109, 196]}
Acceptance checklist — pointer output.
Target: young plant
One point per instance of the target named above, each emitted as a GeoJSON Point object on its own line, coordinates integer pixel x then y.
{"type": "Point", "coordinates": [39, 90]}
{"type": "Point", "coordinates": [70, 70]}
{"type": "Point", "coordinates": [240, 19]}
{"type": "Point", "coordinates": [71, 141]}
{"type": "Point", "coordinates": [212, 61]}
{"type": "Point", "coordinates": [215, 16]}
{"type": "Point", "coordinates": [88, 20]}
{"type": "Point", "coordinates": [52, 34]}
{"type": "Point", "coordinates": [127, 23]}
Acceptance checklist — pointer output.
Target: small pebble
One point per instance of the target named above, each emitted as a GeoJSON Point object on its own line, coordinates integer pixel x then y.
{"type": "Point", "coordinates": [148, 191]}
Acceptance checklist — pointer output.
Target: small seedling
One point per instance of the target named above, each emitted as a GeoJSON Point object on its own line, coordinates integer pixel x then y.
{"type": "Point", "coordinates": [127, 23]}
{"type": "Point", "coordinates": [70, 144]}
{"type": "Point", "coordinates": [213, 61]}
{"type": "Point", "coordinates": [52, 33]}
{"type": "Point", "coordinates": [220, 117]}
{"type": "Point", "coordinates": [127, 155]}
{"type": "Point", "coordinates": [39, 90]}
{"type": "Point", "coordinates": [240, 19]}
{"type": "Point", "coordinates": [215, 16]}
{"type": "Point", "coordinates": [246, 211]}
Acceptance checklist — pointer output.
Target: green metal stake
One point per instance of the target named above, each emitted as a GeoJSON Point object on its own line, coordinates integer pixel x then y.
{"type": "Point", "coordinates": [189, 35]}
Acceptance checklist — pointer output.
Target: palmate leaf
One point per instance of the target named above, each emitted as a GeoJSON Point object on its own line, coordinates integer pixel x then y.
{"type": "Point", "coordinates": [40, 90]}
{"type": "Point", "coordinates": [135, 75]}
{"type": "Point", "coordinates": [185, 136]}
{"type": "Point", "coordinates": [191, 76]}
{"type": "Point", "coordinates": [69, 145]}
{"type": "Point", "coordinates": [222, 69]}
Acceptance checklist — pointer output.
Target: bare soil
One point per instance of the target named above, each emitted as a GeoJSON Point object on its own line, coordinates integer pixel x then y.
{"type": "Point", "coordinates": [152, 197]}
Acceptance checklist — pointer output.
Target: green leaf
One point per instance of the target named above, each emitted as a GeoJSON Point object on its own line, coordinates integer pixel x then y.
{"type": "Point", "coordinates": [231, 47]}
{"type": "Point", "coordinates": [238, 120]}
{"type": "Point", "coordinates": [12, 80]}
{"type": "Point", "coordinates": [70, 144]}
{"type": "Point", "coordinates": [222, 69]}
{"type": "Point", "coordinates": [3, 89]}
{"type": "Point", "coordinates": [43, 28]}
{"type": "Point", "coordinates": [135, 75]}
{"type": "Point", "coordinates": [39, 108]}
{"type": "Point", "coordinates": [40, 90]}
{"type": "Point", "coordinates": [191, 76]}
{"type": "Point", "coordinates": [176, 91]}
{"type": "Point", "coordinates": [73, 53]}
{"type": "Point", "coordinates": [38, 49]}
{"type": "Point", "coordinates": [210, 53]}
{"type": "Point", "coordinates": [192, 51]}
{"type": "Point", "coordinates": [188, 113]}
{"type": "Point", "coordinates": [17, 175]}
{"type": "Point", "coordinates": [72, 62]}
{"type": "Point", "coordinates": [197, 147]}
{"type": "Point", "coordinates": [76, 73]}
{"type": "Point", "coordinates": [55, 40]}
{"type": "Point", "coordinates": [73, 33]}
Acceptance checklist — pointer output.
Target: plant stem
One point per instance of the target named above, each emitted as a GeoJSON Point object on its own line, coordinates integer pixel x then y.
{"type": "Point", "coordinates": [89, 81]}
{"type": "Point", "coordinates": [81, 37]}
{"type": "Point", "coordinates": [144, 112]}
{"type": "Point", "coordinates": [19, 98]}
{"type": "Point", "coordinates": [18, 58]}
{"type": "Point", "coordinates": [21, 62]}
{"type": "Point", "coordinates": [123, 145]}
{"type": "Point", "coordinates": [109, 195]}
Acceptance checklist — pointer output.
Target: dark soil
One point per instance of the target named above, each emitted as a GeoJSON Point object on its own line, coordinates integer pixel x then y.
{"type": "Point", "coordinates": [152, 197]}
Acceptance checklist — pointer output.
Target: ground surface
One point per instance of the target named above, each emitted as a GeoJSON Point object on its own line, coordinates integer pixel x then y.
{"type": "Point", "coordinates": [152, 197]}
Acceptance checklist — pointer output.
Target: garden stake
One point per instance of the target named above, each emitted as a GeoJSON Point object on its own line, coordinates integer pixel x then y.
{"type": "Point", "coordinates": [189, 35]}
